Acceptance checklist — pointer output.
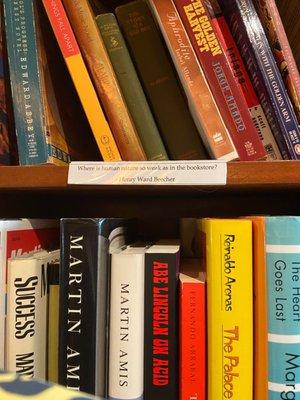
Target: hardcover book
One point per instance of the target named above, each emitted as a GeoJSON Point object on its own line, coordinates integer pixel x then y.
{"type": "Point", "coordinates": [84, 277]}
{"type": "Point", "coordinates": [26, 323]}
{"type": "Point", "coordinates": [19, 237]}
{"type": "Point", "coordinates": [227, 259]}
{"type": "Point", "coordinates": [131, 87]}
{"type": "Point", "coordinates": [192, 331]}
{"type": "Point", "coordinates": [161, 322]}
{"type": "Point", "coordinates": [160, 83]}
{"type": "Point", "coordinates": [270, 18]}
{"type": "Point", "coordinates": [283, 274]}
{"type": "Point", "coordinates": [265, 75]}
{"type": "Point", "coordinates": [213, 131]}
{"type": "Point", "coordinates": [126, 328]}
{"type": "Point", "coordinates": [220, 75]}
{"type": "Point", "coordinates": [242, 79]}
{"type": "Point", "coordinates": [260, 310]}
{"type": "Point", "coordinates": [81, 79]}
{"type": "Point", "coordinates": [101, 71]}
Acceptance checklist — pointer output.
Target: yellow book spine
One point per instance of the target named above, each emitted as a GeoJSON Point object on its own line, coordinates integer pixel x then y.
{"type": "Point", "coordinates": [81, 79]}
{"type": "Point", "coordinates": [228, 247]}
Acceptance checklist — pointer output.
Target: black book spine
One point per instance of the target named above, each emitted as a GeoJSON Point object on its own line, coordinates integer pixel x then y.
{"type": "Point", "coordinates": [161, 327]}
{"type": "Point", "coordinates": [78, 304]}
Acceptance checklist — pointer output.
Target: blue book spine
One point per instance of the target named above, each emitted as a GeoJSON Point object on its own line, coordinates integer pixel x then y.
{"type": "Point", "coordinates": [252, 42]}
{"type": "Point", "coordinates": [23, 60]}
{"type": "Point", "coordinates": [283, 287]}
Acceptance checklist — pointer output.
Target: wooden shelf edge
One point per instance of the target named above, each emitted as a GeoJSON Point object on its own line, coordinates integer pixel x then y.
{"type": "Point", "coordinates": [241, 176]}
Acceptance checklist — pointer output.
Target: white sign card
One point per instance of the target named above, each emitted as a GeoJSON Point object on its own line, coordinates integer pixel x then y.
{"type": "Point", "coordinates": [177, 173]}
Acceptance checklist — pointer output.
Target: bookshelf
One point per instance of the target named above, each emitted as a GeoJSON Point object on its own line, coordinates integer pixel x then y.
{"type": "Point", "coordinates": [252, 188]}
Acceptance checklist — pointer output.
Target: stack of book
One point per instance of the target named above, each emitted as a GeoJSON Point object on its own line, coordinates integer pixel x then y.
{"type": "Point", "coordinates": [155, 80]}
{"type": "Point", "coordinates": [214, 315]}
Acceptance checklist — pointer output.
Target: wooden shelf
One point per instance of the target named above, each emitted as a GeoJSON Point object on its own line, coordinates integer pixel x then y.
{"type": "Point", "coordinates": [241, 176]}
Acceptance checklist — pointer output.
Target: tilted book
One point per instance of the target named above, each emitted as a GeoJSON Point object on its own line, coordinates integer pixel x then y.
{"type": "Point", "coordinates": [126, 327]}
{"type": "Point", "coordinates": [270, 18]}
{"type": "Point", "coordinates": [160, 83]}
{"type": "Point", "coordinates": [26, 324]}
{"type": "Point", "coordinates": [161, 322]}
{"type": "Point", "coordinates": [192, 331]}
{"type": "Point", "coordinates": [40, 136]}
{"type": "Point", "coordinates": [105, 82]}
{"type": "Point", "coordinates": [283, 275]}
{"type": "Point", "coordinates": [220, 75]}
{"type": "Point", "coordinates": [227, 253]}
{"type": "Point", "coordinates": [18, 237]}
{"type": "Point", "coordinates": [213, 131]}
{"type": "Point", "coordinates": [82, 81]}
{"type": "Point", "coordinates": [266, 78]}
{"type": "Point", "coordinates": [84, 294]}
{"type": "Point", "coordinates": [131, 87]}
{"type": "Point", "coordinates": [242, 79]}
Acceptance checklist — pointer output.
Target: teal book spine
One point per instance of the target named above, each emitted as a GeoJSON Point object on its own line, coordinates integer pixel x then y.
{"type": "Point", "coordinates": [23, 60]}
{"type": "Point", "coordinates": [283, 282]}
{"type": "Point", "coordinates": [131, 87]}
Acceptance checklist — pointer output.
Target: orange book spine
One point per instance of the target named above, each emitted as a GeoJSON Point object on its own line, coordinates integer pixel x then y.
{"type": "Point", "coordinates": [103, 76]}
{"type": "Point", "coordinates": [192, 344]}
{"type": "Point", "coordinates": [260, 309]}
{"type": "Point", "coordinates": [82, 82]}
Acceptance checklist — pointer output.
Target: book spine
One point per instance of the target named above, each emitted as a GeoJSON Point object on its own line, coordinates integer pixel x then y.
{"type": "Point", "coordinates": [251, 40]}
{"type": "Point", "coordinates": [131, 87]}
{"type": "Point", "coordinates": [229, 308]}
{"type": "Point", "coordinates": [160, 83]}
{"type": "Point", "coordinates": [242, 79]}
{"type": "Point", "coordinates": [213, 131]}
{"type": "Point", "coordinates": [103, 76]}
{"type": "Point", "coordinates": [82, 82]}
{"type": "Point", "coordinates": [283, 274]}
{"type": "Point", "coordinates": [5, 123]}
{"type": "Point", "coordinates": [260, 310]}
{"type": "Point", "coordinates": [274, 29]}
{"type": "Point", "coordinates": [26, 318]}
{"type": "Point", "coordinates": [25, 81]}
{"type": "Point", "coordinates": [161, 327]}
{"type": "Point", "coordinates": [126, 339]}
{"type": "Point", "coordinates": [77, 296]}
{"type": "Point", "coordinates": [220, 76]}
{"type": "Point", "coordinates": [192, 346]}
{"type": "Point", "coordinates": [53, 322]}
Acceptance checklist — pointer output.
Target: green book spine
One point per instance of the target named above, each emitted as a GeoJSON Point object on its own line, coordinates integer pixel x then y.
{"type": "Point", "coordinates": [160, 82]}
{"type": "Point", "coordinates": [131, 87]}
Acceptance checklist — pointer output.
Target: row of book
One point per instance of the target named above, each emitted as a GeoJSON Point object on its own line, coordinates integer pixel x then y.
{"type": "Point", "coordinates": [214, 315]}
{"type": "Point", "coordinates": [157, 80]}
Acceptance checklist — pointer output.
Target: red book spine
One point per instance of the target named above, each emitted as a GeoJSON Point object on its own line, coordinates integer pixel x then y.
{"type": "Point", "coordinates": [220, 75]}
{"type": "Point", "coordinates": [242, 79]}
{"type": "Point", "coordinates": [192, 343]}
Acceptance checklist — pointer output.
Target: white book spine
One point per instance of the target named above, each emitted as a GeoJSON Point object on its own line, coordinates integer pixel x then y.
{"type": "Point", "coordinates": [26, 317]}
{"type": "Point", "coordinates": [126, 348]}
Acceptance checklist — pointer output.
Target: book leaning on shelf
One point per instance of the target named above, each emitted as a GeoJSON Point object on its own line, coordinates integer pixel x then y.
{"type": "Point", "coordinates": [101, 71]}
{"type": "Point", "coordinates": [213, 131]}
{"type": "Point", "coordinates": [250, 37]}
{"type": "Point", "coordinates": [159, 81]}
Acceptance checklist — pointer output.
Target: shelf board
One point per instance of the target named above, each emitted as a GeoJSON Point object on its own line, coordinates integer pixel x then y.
{"type": "Point", "coordinates": [241, 176]}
